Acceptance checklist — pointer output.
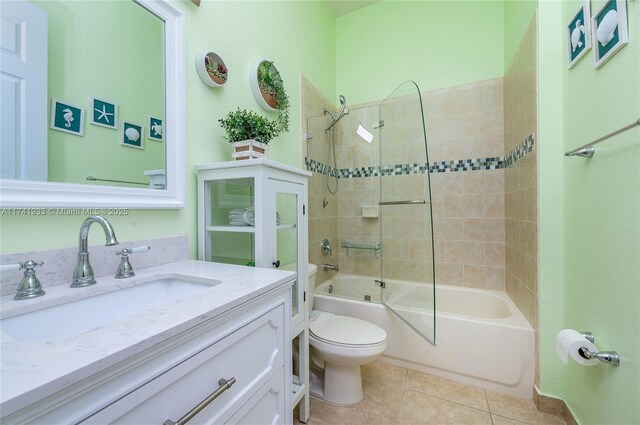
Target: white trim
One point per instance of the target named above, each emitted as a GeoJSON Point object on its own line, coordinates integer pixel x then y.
{"type": "Point", "coordinates": [17, 193]}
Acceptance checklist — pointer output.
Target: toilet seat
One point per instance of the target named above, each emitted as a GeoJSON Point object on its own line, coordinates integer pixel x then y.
{"type": "Point", "coordinates": [344, 331]}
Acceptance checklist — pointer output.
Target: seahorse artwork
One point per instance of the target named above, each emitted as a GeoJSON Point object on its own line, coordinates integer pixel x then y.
{"type": "Point", "coordinates": [68, 117]}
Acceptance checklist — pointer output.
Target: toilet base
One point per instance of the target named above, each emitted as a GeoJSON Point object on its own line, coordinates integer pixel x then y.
{"type": "Point", "coordinates": [342, 385]}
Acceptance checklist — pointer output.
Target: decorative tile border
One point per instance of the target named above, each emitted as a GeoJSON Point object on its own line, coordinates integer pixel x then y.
{"type": "Point", "coordinates": [320, 168]}
{"type": "Point", "coordinates": [520, 151]}
{"type": "Point", "coordinates": [492, 163]}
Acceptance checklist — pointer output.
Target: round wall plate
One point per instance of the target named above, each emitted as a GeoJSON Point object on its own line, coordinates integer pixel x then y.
{"type": "Point", "coordinates": [211, 69]}
{"type": "Point", "coordinates": [265, 94]}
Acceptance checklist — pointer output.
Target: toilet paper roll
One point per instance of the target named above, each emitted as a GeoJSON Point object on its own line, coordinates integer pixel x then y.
{"type": "Point", "coordinates": [569, 342]}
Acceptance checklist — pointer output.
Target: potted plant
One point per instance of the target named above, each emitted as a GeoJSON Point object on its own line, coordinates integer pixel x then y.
{"type": "Point", "coordinates": [249, 133]}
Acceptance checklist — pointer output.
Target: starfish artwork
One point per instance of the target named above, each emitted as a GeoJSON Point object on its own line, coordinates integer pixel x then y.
{"type": "Point", "coordinates": [104, 115]}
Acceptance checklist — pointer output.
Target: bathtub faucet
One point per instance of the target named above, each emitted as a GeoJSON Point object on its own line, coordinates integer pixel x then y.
{"type": "Point", "coordinates": [333, 267]}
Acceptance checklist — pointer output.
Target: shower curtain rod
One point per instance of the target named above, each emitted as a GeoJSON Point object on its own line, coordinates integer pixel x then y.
{"type": "Point", "coordinates": [587, 151]}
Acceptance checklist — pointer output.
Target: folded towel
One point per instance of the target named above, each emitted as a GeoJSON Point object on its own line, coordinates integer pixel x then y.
{"type": "Point", "coordinates": [249, 217]}
{"type": "Point", "coordinates": [277, 218]}
{"type": "Point", "coordinates": [237, 223]}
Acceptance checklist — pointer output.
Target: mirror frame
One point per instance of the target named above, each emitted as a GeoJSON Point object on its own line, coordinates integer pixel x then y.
{"type": "Point", "coordinates": [17, 193]}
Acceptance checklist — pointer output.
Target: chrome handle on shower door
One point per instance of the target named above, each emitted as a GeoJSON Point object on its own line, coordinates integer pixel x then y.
{"type": "Point", "coordinates": [411, 202]}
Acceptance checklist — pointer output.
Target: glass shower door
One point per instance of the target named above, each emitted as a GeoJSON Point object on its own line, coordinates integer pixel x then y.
{"type": "Point", "coordinates": [407, 267]}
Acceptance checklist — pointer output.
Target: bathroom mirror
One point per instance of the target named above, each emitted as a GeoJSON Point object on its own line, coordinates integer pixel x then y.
{"type": "Point", "coordinates": [66, 154]}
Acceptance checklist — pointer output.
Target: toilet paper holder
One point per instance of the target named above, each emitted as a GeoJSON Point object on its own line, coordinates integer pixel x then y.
{"type": "Point", "coordinates": [609, 357]}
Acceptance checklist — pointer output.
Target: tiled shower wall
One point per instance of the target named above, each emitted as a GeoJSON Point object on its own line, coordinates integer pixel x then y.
{"type": "Point", "coordinates": [463, 123]}
{"type": "Point", "coordinates": [466, 122]}
{"type": "Point", "coordinates": [323, 221]}
{"type": "Point", "coordinates": [521, 182]}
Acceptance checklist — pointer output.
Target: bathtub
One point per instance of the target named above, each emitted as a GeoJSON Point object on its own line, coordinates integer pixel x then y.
{"type": "Point", "coordinates": [481, 337]}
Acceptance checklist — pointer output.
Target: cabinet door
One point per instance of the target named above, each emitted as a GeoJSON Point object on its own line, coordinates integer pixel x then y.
{"type": "Point", "coordinates": [286, 239]}
{"type": "Point", "coordinates": [229, 221]}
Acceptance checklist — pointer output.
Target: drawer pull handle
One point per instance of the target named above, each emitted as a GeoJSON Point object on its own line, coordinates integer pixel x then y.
{"type": "Point", "coordinates": [225, 384]}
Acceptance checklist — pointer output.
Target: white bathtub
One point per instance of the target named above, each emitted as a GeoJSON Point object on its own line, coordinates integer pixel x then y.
{"type": "Point", "coordinates": [481, 337]}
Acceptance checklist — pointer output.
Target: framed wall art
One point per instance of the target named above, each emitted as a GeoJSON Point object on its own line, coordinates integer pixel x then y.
{"type": "Point", "coordinates": [610, 30]}
{"type": "Point", "coordinates": [67, 118]}
{"type": "Point", "coordinates": [103, 113]}
{"type": "Point", "coordinates": [131, 135]}
{"type": "Point", "coordinates": [579, 34]}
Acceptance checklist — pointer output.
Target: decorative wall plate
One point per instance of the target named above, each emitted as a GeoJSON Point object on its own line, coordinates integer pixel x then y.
{"type": "Point", "coordinates": [265, 84]}
{"type": "Point", "coordinates": [211, 69]}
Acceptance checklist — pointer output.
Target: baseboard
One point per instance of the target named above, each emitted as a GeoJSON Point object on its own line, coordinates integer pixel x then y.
{"type": "Point", "coordinates": [554, 406]}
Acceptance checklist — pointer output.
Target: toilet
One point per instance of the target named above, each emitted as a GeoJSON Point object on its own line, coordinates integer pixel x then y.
{"type": "Point", "coordinates": [339, 345]}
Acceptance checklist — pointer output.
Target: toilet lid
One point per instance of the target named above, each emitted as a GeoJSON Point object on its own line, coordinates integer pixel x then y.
{"type": "Point", "coordinates": [346, 330]}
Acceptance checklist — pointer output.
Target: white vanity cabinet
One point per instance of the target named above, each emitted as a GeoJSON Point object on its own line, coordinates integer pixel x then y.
{"type": "Point", "coordinates": [254, 212]}
{"type": "Point", "coordinates": [249, 343]}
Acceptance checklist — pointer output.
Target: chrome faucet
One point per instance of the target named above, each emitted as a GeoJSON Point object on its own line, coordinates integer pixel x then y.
{"type": "Point", "coordinates": [84, 276]}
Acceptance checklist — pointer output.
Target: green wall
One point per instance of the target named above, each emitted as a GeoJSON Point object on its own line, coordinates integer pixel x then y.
{"type": "Point", "coordinates": [435, 43]}
{"type": "Point", "coordinates": [119, 59]}
{"type": "Point", "coordinates": [298, 36]}
{"type": "Point", "coordinates": [602, 227]}
{"type": "Point", "coordinates": [517, 16]}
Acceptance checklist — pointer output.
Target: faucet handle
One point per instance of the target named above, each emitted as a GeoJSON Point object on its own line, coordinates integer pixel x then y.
{"type": "Point", "coordinates": [30, 286]}
{"type": "Point", "coordinates": [126, 251]}
{"type": "Point", "coordinates": [10, 267]}
{"type": "Point", "coordinates": [125, 269]}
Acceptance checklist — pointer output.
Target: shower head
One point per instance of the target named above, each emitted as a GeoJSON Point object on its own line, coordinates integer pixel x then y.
{"type": "Point", "coordinates": [337, 116]}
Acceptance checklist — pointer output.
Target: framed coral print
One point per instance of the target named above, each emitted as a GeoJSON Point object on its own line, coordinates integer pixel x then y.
{"type": "Point", "coordinates": [579, 34]}
{"type": "Point", "coordinates": [610, 31]}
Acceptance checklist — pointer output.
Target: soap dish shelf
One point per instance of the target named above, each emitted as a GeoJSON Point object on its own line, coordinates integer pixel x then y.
{"type": "Point", "coordinates": [349, 246]}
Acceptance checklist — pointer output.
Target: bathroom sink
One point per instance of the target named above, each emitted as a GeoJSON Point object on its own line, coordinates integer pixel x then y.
{"type": "Point", "coordinates": [76, 317]}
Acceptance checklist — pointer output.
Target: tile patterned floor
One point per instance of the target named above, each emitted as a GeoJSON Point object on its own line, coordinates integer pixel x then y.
{"type": "Point", "coordinates": [398, 396]}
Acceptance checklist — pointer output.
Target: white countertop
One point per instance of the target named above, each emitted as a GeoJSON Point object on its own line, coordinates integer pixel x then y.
{"type": "Point", "coordinates": [33, 371]}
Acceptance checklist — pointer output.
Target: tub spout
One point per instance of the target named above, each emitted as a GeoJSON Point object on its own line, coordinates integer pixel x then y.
{"type": "Point", "coordinates": [333, 267]}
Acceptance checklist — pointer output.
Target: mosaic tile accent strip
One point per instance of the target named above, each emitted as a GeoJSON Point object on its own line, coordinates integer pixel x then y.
{"type": "Point", "coordinates": [491, 163]}
{"type": "Point", "coordinates": [520, 151]}
{"type": "Point", "coordinates": [320, 168]}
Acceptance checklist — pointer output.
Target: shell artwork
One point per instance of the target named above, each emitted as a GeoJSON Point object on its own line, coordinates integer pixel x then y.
{"type": "Point", "coordinates": [607, 28]}
{"type": "Point", "coordinates": [132, 134]}
{"type": "Point", "coordinates": [576, 34]}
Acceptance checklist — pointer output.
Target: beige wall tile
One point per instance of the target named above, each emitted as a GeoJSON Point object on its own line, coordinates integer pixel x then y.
{"type": "Point", "coordinates": [464, 206]}
{"type": "Point", "coordinates": [494, 204]}
{"type": "Point", "coordinates": [486, 181]}
{"type": "Point", "coordinates": [446, 183]}
{"type": "Point", "coordinates": [494, 254]}
{"type": "Point", "coordinates": [449, 228]}
{"type": "Point", "coordinates": [464, 252]}
{"type": "Point", "coordinates": [449, 274]}
{"type": "Point", "coordinates": [484, 229]}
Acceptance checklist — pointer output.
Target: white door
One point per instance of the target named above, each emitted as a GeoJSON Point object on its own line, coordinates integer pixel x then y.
{"type": "Point", "coordinates": [23, 76]}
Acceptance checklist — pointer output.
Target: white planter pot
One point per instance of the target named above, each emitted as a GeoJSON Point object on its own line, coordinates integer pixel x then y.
{"type": "Point", "coordinates": [247, 149]}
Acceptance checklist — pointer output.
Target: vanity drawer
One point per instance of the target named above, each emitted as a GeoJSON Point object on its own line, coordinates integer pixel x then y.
{"type": "Point", "coordinates": [266, 406]}
{"type": "Point", "coordinates": [252, 355]}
